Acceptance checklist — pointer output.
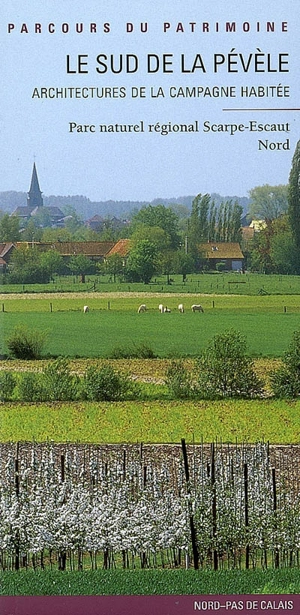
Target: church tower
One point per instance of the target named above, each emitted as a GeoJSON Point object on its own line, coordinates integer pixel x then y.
{"type": "Point", "coordinates": [34, 198]}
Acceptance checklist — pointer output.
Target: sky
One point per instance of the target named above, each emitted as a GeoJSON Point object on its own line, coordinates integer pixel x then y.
{"type": "Point", "coordinates": [177, 68]}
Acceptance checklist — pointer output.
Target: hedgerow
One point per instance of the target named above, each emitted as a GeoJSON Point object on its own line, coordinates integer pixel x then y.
{"type": "Point", "coordinates": [57, 383]}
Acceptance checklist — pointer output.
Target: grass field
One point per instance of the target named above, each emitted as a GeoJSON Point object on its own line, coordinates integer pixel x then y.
{"type": "Point", "coordinates": [149, 582]}
{"type": "Point", "coordinates": [153, 422]}
{"type": "Point", "coordinates": [219, 283]}
{"type": "Point", "coordinates": [113, 321]}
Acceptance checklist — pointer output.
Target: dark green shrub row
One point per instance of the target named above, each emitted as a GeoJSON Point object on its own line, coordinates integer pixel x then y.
{"type": "Point", "coordinates": [223, 370]}
{"type": "Point", "coordinates": [57, 383]}
{"type": "Point", "coordinates": [285, 381]}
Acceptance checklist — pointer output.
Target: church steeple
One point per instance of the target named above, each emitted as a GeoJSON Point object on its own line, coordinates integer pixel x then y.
{"type": "Point", "coordinates": [34, 198]}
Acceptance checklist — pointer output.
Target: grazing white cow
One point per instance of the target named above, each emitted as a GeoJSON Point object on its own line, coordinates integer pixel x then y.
{"type": "Point", "coordinates": [161, 308]}
{"type": "Point", "coordinates": [197, 308]}
{"type": "Point", "coordinates": [86, 309]}
{"type": "Point", "coordinates": [181, 308]}
{"type": "Point", "coordinates": [142, 308]}
{"type": "Point", "coordinates": [167, 310]}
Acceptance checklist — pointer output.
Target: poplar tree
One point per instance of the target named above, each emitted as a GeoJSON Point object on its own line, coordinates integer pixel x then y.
{"type": "Point", "coordinates": [294, 203]}
{"type": "Point", "coordinates": [198, 225]}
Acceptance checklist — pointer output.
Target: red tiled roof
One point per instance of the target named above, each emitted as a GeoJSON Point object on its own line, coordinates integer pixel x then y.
{"type": "Point", "coordinates": [122, 247]}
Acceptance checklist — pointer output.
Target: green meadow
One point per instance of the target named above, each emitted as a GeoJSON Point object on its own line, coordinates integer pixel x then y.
{"type": "Point", "coordinates": [219, 283]}
{"type": "Point", "coordinates": [148, 582]}
{"type": "Point", "coordinates": [268, 322]}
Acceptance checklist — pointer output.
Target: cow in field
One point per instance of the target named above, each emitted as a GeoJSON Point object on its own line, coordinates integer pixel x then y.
{"type": "Point", "coordinates": [86, 309]}
{"type": "Point", "coordinates": [197, 308]}
{"type": "Point", "coordinates": [181, 308]}
{"type": "Point", "coordinates": [167, 310]}
{"type": "Point", "coordinates": [142, 308]}
{"type": "Point", "coordinates": [161, 308]}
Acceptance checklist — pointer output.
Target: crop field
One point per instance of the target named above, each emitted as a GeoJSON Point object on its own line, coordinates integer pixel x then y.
{"type": "Point", "coordinates": [154, 421]}
{"type": "Point", "coordinates": [113, 322]}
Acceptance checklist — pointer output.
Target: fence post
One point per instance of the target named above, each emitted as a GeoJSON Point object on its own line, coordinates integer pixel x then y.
{"type": "Point", "coordinates": [17, 490]}
{"type": "Point", "coordinates": [124, 465]}
{"type": "Point", "coordinates": [62, 468]}
{"type": "Point", "coordinates": [193, 531]}
{"type": "Point", "coordinates": [276, 555]}
{"type": "Point", "coordinates": [214, 504]}
{"type": "Point", "coordinates": [246, 513]}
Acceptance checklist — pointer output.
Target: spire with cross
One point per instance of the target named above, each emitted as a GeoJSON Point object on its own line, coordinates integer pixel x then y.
{"type": "Point", "coordinates": [34, 198]}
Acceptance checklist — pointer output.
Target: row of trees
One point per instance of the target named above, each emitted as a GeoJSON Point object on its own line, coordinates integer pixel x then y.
{"type": "Point", "coordinates": [167, 241]}
{"type": "Point", "coordinates": [276, 248]}
{"type": "Point", "coordinates": [30, 266]}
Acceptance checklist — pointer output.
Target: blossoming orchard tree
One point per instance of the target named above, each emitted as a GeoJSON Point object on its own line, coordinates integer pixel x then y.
{"type": "Point", "coordinates": [89, 507]}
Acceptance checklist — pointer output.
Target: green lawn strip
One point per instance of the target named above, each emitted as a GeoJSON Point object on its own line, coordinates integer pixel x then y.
{"type": "Point", "coordinates": [98, 334]}
{"type": "Point", "coordinates": [150, 582]}
{"type": "Point", "coordinates": [155, 421]}
{"type": "Point", "coordinates": [60, 302]}
{"type": "Point", "coordinates": [229, 282]}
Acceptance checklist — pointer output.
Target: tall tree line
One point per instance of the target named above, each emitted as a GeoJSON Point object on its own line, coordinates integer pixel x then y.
{"type": "Point", "coordinates": [294, 204]}
{"type": "Point", "coordinates": [209, 223]}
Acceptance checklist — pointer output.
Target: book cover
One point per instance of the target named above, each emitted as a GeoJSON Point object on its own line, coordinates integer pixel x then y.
{"type": "Point", "coordinates": [132, 102]}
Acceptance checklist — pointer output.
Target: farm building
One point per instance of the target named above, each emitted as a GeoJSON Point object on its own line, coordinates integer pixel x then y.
{"type": "Point", "coordinates": [6, 250]}
{"type": "Point", "coordinates": [228, 253]}
{"type": "Point", "coordinates": [96, 251]}
{"type": "Point", "coordinates": [122, 248]}
{"type": "Point", "coordinates": [258, 225]}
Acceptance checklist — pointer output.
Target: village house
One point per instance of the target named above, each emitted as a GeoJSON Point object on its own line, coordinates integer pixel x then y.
{"type": "Point", "coordinates": [96, 251]}
{"type": "Point", "coordinates": [122, 248]}
{"type": "Point", "coordinates": [229, 253]}
{"type": "Point", "coordinates": [6, 250]}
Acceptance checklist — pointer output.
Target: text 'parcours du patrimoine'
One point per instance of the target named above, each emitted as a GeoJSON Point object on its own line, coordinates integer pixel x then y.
{"type": "Point", "coordinates": [168, 63]}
